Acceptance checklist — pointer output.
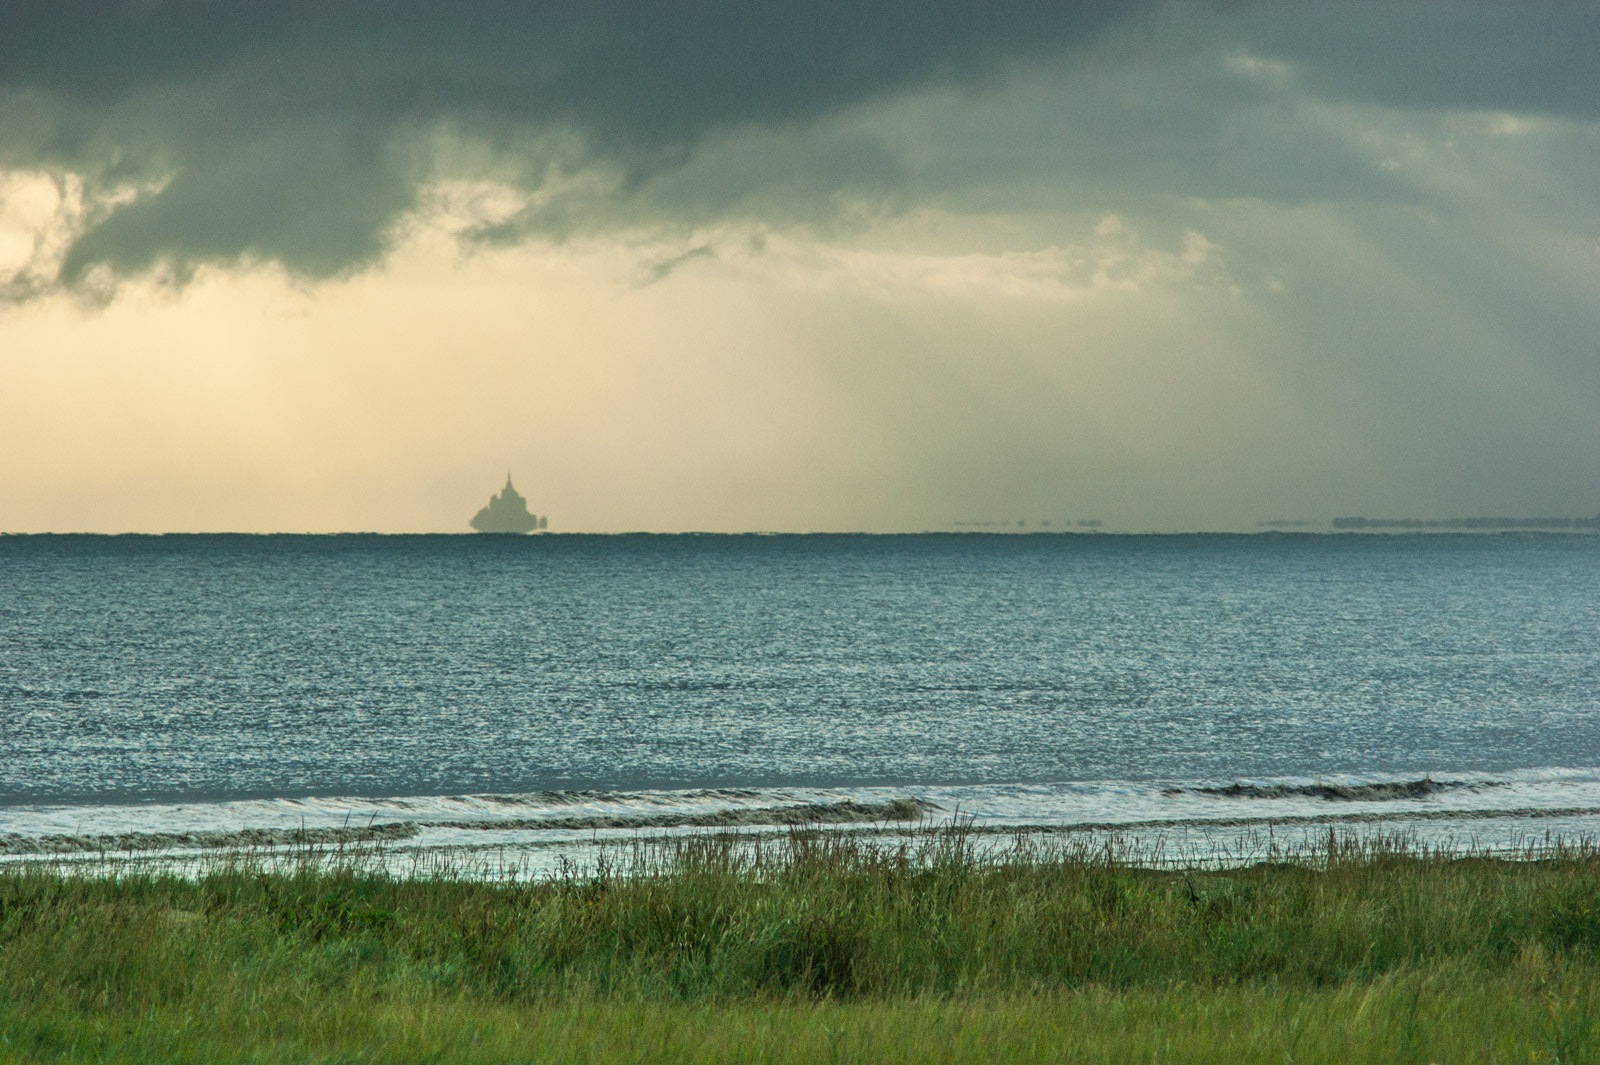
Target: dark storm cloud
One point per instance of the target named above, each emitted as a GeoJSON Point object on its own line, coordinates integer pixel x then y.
{"type": "Point", "coordinates": [643, 73]}
{"type": "Point", "coordinates": [1535, 56]}
{"type": "Point", "coordinates": [290, 130]}
{"type": "Point", "coordinates": [278, 123]}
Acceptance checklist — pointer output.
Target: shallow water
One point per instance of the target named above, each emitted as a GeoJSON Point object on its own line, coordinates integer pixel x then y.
{"type": "Point", "coordinates": [214, 683]}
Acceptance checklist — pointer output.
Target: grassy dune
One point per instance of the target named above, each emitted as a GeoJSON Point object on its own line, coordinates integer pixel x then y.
{"type": "Point", "coordinates": [826, 949]}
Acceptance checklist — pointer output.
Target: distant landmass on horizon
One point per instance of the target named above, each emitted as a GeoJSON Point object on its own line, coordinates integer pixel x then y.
{"type": "Point", "coordinates": [507, 513]}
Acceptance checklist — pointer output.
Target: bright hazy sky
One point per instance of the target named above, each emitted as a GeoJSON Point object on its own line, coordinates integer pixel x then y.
{"type": "Point", "coordinates": [318, 265]}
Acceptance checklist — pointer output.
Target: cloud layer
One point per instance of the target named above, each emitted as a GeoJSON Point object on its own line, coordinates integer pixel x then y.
{"type": "Point", "coordinates": [299, 132]}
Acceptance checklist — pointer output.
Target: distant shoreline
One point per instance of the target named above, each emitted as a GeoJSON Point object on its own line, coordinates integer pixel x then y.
{"type": "Point", "coordinates": [1580, 527]}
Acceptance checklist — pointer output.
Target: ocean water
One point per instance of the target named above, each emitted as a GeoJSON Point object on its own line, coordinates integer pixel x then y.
{"type": "Point", "coordinates": [170, 693]}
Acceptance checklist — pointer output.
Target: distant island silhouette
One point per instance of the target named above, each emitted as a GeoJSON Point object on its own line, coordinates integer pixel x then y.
{"type": "Point", "coordinates": [1468, 523]}
{"type": "Point", "coordinates": [507, 513]}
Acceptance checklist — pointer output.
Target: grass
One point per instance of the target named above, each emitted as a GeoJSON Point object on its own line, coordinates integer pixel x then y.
{"type": "Point", "coordinates": [827, 948]}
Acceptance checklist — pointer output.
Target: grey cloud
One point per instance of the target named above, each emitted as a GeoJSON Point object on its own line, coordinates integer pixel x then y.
{"type": "Point", "coordinates": [1145, 118]}
{"type": "Point", "coordinates": [290, 130]}
{"type": "Point", "coordinates": [649, 73]}
{"type": "Point", "coordinates": [317, 196]}
{"type": "Point", "coordinates": [662, 270]}
{"type": "Point", "coordinates": [279, 122]}
{"type": "Point", "coordinates": [1535, 56]}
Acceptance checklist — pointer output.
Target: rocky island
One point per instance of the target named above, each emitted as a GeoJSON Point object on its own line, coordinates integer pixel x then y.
{"type": "Point", "coordinates": [507, 513]}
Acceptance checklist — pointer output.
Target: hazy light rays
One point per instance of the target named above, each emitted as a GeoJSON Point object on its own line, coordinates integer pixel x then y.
{"type": "Point", "coordinates": [1181, 279]}
{"type": "Point", "coordinates": [159, 402]}
{"type": "Point", "coordinates": [1425, 375]}
{"type": "Point", "coordinates": [1496, 283]}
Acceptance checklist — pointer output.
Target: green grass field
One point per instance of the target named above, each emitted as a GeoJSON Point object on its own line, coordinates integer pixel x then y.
{"type": "Point", "coordinates": [823, 949]}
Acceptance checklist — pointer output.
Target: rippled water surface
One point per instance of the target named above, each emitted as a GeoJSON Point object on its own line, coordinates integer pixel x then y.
{"type": "Point", "coordinates": [217, 669]}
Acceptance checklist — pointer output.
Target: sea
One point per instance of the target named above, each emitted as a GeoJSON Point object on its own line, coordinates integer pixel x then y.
{"type": "Point", "coordinates": [516, 704]}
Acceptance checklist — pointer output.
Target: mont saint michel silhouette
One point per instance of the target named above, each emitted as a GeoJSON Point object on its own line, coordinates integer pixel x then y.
{"type": "Point", "coordinates": [507, 513]}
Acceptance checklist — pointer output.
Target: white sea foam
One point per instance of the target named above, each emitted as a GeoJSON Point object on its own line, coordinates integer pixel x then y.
{"type": "Point", "coordinates": [1195, 818]}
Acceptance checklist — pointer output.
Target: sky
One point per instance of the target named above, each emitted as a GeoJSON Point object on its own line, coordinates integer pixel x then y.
{"type": "Point", "coordinates": [341, 265]}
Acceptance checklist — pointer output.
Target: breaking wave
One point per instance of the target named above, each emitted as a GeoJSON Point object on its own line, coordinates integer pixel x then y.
{"type": "Point", "coordinates": [810, 813]}
{"type": "Point", "coordinates": [13, 843]}
{"type": "Point", "coordinates": [1382, 791]}
{"type": "Point", "coordinates": [807, 813]}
